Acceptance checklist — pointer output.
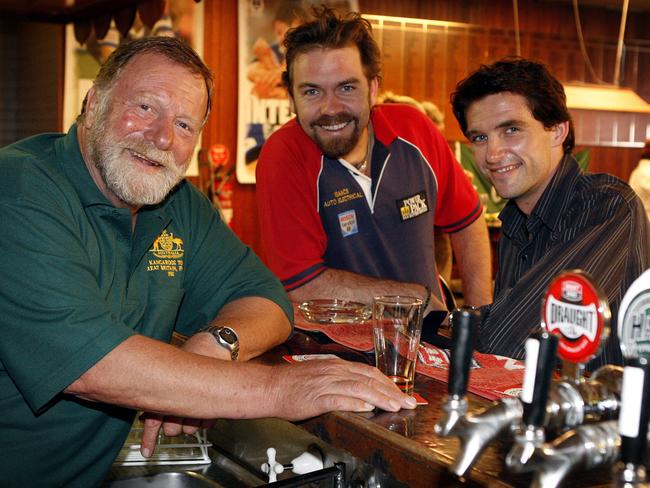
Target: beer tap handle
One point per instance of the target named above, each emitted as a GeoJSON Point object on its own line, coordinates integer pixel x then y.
{"type": "Point", "coordinates": [540, 363]}
{"type": "Point", "coordinates": [633, 420]}
{"type": "Point", "coordinates": [541, 350]}
{"type": "Point", "coordinates": [464, 322]}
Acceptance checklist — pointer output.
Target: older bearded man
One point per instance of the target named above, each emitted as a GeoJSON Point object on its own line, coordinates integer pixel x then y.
{"type": "Point", "coordinates": [91, 291]}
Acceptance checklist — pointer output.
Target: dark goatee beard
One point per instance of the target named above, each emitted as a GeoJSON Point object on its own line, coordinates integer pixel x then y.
{"type": "Point", "coordinates": [336, 147]}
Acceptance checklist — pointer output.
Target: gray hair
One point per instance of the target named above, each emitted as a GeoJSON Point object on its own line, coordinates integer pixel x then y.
{"type": "Point", "coordinates": [172, 48]}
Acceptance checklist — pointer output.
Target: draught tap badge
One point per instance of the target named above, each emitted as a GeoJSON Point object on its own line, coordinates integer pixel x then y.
{"type": "Point", "coordinates": [575, 309]}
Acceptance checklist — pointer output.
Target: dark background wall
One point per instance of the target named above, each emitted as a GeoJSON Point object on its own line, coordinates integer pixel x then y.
{"type": "Point", "coordinates": [30, 70]}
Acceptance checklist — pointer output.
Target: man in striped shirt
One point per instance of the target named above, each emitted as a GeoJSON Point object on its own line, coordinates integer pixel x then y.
{"type": "Point", "coordinates": [514, 114]}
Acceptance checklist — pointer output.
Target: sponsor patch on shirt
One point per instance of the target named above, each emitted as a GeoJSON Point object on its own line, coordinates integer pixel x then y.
{"type": "Point", "coordinates": [413, 206]}
{"type": "Point", "coordinates": [348, 223]}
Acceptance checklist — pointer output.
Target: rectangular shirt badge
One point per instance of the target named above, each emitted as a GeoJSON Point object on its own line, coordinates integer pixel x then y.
{"type": "Point", "coordinates": [348, 223]}
{"type": "Point", "coordinates": [413, 206]}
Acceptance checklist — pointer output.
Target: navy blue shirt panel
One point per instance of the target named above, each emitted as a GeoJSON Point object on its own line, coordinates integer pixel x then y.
{"type": "Point", "coordinates": [396, 240]}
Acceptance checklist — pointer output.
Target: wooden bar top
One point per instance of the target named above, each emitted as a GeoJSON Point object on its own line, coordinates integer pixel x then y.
{"type": "Point", "coordinates": [404, 443]}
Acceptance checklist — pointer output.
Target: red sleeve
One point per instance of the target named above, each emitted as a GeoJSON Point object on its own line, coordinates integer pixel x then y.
{"type": "Point", "coordinates": [457, 202]}
{"type": "Point", "coordinates": [293, 239]}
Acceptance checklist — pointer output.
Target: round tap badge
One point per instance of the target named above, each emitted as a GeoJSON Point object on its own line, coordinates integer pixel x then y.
{"type": "Point", "coordinates": [576, 310]}
{"type": "Point", "coordinates": [634, 318]}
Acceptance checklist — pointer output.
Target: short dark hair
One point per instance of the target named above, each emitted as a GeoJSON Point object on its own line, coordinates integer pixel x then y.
{"type": "Point", "coordinates": [532, 80]}
{"type": "Point", "coordinates": [331, 31]}
{"type": "Point", "coordinates": [172, 48]}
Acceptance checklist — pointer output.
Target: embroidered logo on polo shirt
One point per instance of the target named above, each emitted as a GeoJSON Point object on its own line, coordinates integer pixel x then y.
{"type": "Point", "coordinates": [341, 196]}
{"type": "Point", "coordinates": [348, 223]}
{"type": "Point", "coordinates": [168, 249]}
{"type": "Point", "coordinates": [411, 207]}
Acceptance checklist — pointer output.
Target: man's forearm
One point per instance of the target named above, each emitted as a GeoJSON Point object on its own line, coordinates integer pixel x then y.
{"type": "Point", "coordinates": [159, 368]}
{"type": "Point", "coordinates": [145, 374]}
{"type": "Point", "coordinates": [149, 375]}
{"type": "Point", "coordinates": [336, 283]}
{"type": "Point", "coordinates": [260, 324]}
{"type": "Point", "coordinates": [472, 251]}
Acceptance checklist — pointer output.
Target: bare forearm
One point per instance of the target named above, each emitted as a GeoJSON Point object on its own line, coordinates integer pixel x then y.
{"type": "Point", "coordinates": [472, 250]}
{"type": "Point", "coordinates": [260, 325]}
{"type": "Point", "coordinates": [164, 379]}
{"type": "Point", "coordinates": [145, 374]}
{"type": "Point", "coordinates": [336, 283]}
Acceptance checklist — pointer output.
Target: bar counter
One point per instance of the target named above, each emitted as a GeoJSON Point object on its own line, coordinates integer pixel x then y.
{"type": "Point", "coordinates": [404, 443]}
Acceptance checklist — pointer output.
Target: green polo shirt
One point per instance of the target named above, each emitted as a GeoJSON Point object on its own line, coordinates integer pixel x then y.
{"type": "Point", "coordinates": [75, 282]}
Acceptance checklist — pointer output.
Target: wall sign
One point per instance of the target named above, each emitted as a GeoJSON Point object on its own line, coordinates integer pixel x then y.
{"type": "Point", "coordinates": [263, 103]}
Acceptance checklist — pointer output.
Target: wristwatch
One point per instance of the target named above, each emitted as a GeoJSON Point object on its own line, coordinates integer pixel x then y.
{"type": "Point", "coordinates": [226, 337]}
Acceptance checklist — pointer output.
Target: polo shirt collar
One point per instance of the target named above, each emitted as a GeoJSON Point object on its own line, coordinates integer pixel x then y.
{"type": "Point", "coordinates": [72, 162]}
{"type": "Point", "coordinates": [384, 131]}
{"type": "Point", "coordinates": [551, 205]}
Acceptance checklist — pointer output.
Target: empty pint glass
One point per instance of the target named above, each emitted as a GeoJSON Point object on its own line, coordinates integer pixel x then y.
{"type": "Point", "coordinates": [397, 325]}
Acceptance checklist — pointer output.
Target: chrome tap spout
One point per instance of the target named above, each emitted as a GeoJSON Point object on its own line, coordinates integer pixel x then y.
{"type": "Point", "coordinates": [475, 432]}
{"type": "Point", "coordinates": [585, 447]}
{"type": "Point", "coordinates": [454, 409]}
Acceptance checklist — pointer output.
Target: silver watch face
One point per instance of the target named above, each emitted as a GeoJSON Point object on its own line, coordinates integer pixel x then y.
{"type": "Point", "coordinates": [228, 335]}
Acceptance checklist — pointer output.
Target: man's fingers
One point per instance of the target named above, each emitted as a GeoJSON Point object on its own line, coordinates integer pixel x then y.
{"type": "Point", "coordinates": [381, 393]}
{"type": "Point", "coordinates": [328, 385]}
{"type": "Point", "coordinates": [190, 426]}
{"type": "Point", "coordinates": [370, 385]}
{"type": "Point", "coordinates": [173, 426]}
{"type": "Point", "coordinates": [150, 434]}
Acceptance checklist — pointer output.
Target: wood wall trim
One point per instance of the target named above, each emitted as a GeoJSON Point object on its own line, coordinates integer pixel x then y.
{"type": "Point", "coordinates": [545, 18]}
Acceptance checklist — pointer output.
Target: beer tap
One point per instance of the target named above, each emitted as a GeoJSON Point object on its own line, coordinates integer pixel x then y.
{"type": "Point", "coordinates": [562, 405]}
{"type": "Point", "coordinates": [601, 444]}
{"type": "Point", "coordinates": [576, 311]}
{"type": "Point", "coordinates": [630, 471]}
{"type": "Point", "coordinates": [541, 348]}
{"type": "Point", "coordinates": [634, 335]}
{"type": "Point", "coordinates": [571, 401]}
{"type": "Point", "coordinates": [585, 447]}
{"type": "Point", "coordinates": [464, 328]}
{"type": "Point", "coordinates": [474, 432]}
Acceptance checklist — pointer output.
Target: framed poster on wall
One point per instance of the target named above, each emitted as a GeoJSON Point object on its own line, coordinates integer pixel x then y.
{"type": "Point", "coordinates": [180, 18]}
{"type": "Point", "coordinates": [263, 105]}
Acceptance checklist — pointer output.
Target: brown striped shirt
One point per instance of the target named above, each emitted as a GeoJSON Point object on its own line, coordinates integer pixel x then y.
{"type": "Point", "coordinates": [593, 222]}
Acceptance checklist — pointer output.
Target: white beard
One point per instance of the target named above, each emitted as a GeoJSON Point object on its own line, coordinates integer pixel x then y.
{"type": "Point", "coordinates": [122, 177]}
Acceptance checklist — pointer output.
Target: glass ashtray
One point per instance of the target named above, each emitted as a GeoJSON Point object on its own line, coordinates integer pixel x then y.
{"type": "Point", "coordinates": [335, 311]}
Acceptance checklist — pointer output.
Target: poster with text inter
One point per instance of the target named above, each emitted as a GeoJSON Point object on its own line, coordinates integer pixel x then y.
{"type": "Point", "coordinates": [263, 101]}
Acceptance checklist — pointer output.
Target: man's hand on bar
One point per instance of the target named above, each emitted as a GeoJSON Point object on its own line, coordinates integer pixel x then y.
{"type": "Point", "coordinates": [310, 388]}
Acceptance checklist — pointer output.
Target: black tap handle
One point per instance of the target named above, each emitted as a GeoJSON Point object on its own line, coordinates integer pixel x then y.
{"type": "Point", "coordinates": [541, 349]}
{"type": "Point", "coordinates": [464, 328]}
{"type": "Point", "coordinates": [635, 406]}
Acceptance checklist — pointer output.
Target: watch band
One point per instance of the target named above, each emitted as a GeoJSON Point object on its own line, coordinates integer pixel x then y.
{"type": "Point", "coordinates": [226, 337]}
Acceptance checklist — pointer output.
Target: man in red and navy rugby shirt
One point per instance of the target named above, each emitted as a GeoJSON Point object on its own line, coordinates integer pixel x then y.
{"type": "Point", "coordinates": [350, 193]}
